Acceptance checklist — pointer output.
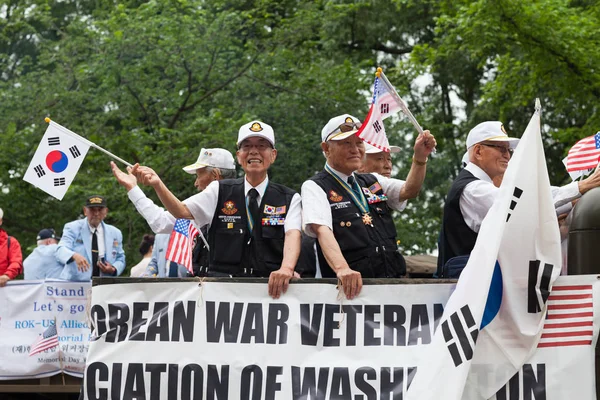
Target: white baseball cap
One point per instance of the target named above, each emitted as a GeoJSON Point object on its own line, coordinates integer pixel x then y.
{"type": "Point", "coordinates": [490, 131]}
{"type": "Point", "coordinates": [216, 158]}
{"type": "Point", "coordinates": [340, 127]}
{"type": "Point", "coordinates": [258, 129]}
{"type": "Point", "coordinates": [369, 149]}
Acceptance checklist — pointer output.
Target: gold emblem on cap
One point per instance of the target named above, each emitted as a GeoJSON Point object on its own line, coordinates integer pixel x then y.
{"type": "Point", "coordinates": [349, 120]}
{"type": "Point", "coordinates": [503, 130]}
{"type": "Point", "coordinates": [256, 127]}
{"type": "Point", "coordinates": [95, 200]}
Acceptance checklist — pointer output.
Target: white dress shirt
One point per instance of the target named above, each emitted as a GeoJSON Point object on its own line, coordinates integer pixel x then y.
{"type": "Point", "coordinates": [203, 205]}
{"type": "Point", "coordinates": [317, 210]}
{"type": "Point", "coordinates": [478, 196]}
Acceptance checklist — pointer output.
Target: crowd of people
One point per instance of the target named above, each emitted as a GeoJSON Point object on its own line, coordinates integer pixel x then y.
{"type": "Point", "coordinates": [340, 225]}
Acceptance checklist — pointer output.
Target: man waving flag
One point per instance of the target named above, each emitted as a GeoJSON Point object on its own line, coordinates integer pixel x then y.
{"type": "Point", "coordinates": [493, 320]}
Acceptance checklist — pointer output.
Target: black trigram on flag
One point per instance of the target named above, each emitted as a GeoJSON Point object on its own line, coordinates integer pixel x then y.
{"type": "Point", "coordinates": [59, 182]}
{"type": "Point", "coordinates": [533, 302]}
{"type": "Point", "coordinates": [516, 196]}
{"type": "Point", "coordinates": [461, 338]}
{"type": "Point", "coordinates": [74, 151]}
{"type": "Point", "coordinates": [54, 141]}
{"type": "Point", "coordinates": [39, 170]}
{"type": "Point", "coordinates": [377, 126]}
{"type": "Point", "coordinates": [385, 108]}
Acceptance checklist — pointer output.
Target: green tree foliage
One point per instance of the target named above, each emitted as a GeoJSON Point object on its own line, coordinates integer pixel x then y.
{"type": "Point", "coordinates": [154, 81]}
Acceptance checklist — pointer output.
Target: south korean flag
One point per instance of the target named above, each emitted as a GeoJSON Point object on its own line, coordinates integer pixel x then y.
{"type": "Point", "coordinates": [56, 160]}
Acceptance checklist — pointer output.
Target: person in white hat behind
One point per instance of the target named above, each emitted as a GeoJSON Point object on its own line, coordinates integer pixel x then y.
{"type": "Point", "coordinates": [378, 161]}
{"type": "Point", "coordinates": [211, 165]}
{"type": "Point", "coordinates": [474, 190]}
{"type": "Point", "coordinates": [254, 223]}
{"type": "Point", "coordinates": [350, 213]}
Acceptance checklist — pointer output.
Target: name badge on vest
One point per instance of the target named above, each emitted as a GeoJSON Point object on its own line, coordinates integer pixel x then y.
{"type": "Point", "coordinates": [273, 221]}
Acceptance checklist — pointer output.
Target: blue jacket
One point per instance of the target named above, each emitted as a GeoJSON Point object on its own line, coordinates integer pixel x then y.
{"type": "Point", "coordinates": [77, 239]}
{"type": "Point", "coordinates": [42, 263]}
{"type": "Point", "coordinates": [157, 266]}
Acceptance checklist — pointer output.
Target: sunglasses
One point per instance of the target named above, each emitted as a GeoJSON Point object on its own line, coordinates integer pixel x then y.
{"type": "Point", "coordinates": [345, 127]}
{"type": "Point", "coordinates": [502, 149]}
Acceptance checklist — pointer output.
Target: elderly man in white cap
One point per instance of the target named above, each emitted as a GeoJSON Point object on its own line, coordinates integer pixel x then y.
{"type": "Point", "coordinates": [254, 223]}
{"type": "Point", "coordinates": [350, 213]}
{"type": "Point", "coordinates": [475, 188]}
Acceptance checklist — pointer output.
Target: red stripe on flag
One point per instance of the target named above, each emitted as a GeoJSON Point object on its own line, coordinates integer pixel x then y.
{"type": "Point", "coordinates": [570, 296]}
{"type": "Point", "coordinates": [569, 325]}
{"type": "Point", "coordinates": [574, 287]}
{"type": "Point", "coordinates": [569, 306]}
{"type": "Point", "coordinates": [561, 344]}
{"type": "Point", "coordinates": [574, 315]}
{"type": "Point", "coordinates": [567, 334]}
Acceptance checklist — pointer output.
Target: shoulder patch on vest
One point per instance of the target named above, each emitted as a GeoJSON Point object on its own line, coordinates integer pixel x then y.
{"type": "Point", "coordinates": [229, 208]}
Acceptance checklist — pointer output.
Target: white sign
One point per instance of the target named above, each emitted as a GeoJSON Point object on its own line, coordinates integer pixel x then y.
{"type": "Point", "coordinates": [232, 341]}
{"type": "Point", "coordinates": [27, 309]}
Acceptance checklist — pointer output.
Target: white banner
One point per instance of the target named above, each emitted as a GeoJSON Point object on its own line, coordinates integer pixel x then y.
{"type": "Point", "coordinates": [232, 341]}
{"type": "Point", "coordinates": [27, 309]}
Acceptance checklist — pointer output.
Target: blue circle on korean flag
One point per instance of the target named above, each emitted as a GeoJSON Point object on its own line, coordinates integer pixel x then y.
{"type": "Point", "coordinates": [57, 161]}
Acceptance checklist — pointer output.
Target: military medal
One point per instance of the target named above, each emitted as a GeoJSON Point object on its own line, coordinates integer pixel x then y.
{"type": "Point", "coordinates": [367, 219]}
{"type": "Point", "coordinates": [357, 196]}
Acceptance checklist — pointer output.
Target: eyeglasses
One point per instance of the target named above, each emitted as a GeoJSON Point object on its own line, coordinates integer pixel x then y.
{"type": "Point", "coordinates": [345, 127]}
{"type": "Point", "coordinates": [502, 149]}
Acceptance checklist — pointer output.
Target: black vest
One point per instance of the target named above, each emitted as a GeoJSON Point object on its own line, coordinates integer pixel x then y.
{"type": "Point", "coordinates": [233, 250]}
{"type": "Point", "coordinates": [200, 254]}
{"type": "Point", "coordinates": [372, 251]}
{"type": "Point", "coordinates": [456, 238]}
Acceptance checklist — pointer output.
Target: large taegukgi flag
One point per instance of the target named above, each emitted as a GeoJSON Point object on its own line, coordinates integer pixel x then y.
{"type": "Point", "coordinates": [56, 160]}
{"type": "Point", "coordinates": [493, 321]}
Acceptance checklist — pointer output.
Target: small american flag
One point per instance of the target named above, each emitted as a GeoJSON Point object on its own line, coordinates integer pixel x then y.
{"type": "Point", "coordinates": [570, 318]}
{"type": "Point", "coordinates": [45, 340]}
{"type": "Point", "coordinates": [181, 243]}
{"type": "Point", "coordinates": [584, 154]}
{"type": "Point", "coordinates": [383, 105]}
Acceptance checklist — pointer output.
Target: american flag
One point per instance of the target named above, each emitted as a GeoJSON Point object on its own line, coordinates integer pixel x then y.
{"type": "Point", "coordinates": [570, 318]}
{"type": "Point", "coordinates": [584, 154]}
{"type": "Point", "coordinates": [383, 105]}
{"type": "Point", "coordinates": [45, 340]}
{"type": "Point", "coordinates": [181, 243]}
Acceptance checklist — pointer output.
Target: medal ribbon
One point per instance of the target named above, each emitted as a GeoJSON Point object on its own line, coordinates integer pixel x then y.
{"type": "Point", "coordinates": [358, 198]}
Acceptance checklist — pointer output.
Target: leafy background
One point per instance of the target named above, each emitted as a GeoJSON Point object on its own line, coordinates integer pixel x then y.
{"type": "Point", "coordinates": [154, 81]}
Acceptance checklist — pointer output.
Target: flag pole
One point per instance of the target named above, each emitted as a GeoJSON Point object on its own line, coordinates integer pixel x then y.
{"type": "Point", "coordinates": [91, 144]}
{"type": "Point", "coordinates": [401, 102]}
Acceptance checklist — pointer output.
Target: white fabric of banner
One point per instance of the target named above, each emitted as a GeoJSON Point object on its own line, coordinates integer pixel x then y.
{"type": "Point", "coordinates": [231, 341]}
{"type": "Point", "coordinates": [27, 308]}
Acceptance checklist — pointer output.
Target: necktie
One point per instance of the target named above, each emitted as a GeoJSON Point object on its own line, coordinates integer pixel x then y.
{"type": "Point", "coordinates": [353, 185]}
{"type": "Point", "coordinates": [173, 268]}
{"type": "Point", "coordinates": [253, 207]}
{"type": "Point", "coordinates": [95, 269]}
